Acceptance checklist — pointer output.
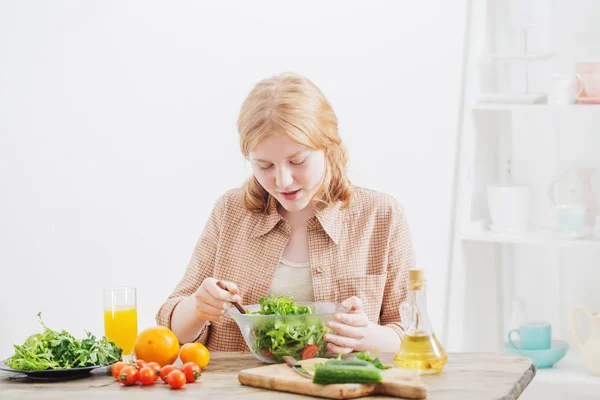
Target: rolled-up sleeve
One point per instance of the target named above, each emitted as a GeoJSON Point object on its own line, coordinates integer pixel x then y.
{"type": "Point", "coordinates": [200, 267]}
{"type": "Point", "coordinates": [400, 260]}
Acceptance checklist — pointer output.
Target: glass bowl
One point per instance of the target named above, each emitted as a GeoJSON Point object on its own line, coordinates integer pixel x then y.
{"type": "Point", "coordinates": [270, 337]}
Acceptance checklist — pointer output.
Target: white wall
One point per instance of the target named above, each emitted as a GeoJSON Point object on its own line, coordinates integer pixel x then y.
{"type": "Point", "coordinates": [117, 133]}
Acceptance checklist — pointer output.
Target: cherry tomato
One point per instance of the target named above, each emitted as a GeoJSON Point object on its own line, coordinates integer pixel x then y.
{"type": "Point", "coordinates": [309, 351]}
{"type": "Point", "coordinates": [147, 376]}
{"type": "Point", "coordinates": [129, 375]}
{"type": "Point", "coordinates": [140, 364]}
{"type": "Point", "coordinates": [164, 371]}
{"type": "Point", "coordinates": [192, 372]}
{"type": "Point", "coordinates": [156, 367]}
{"type": "Point", "coordinates": [176, 379]}
{"type": "Point", "coordinates": [117, 367]}
{"type": "Point", "coordinates": [196, 353]}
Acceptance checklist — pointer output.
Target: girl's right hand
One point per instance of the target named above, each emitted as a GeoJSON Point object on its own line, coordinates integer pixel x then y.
{"type": "Point", "coordinates": [212, 301]}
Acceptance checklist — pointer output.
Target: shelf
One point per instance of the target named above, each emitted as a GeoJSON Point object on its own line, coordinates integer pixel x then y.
{"type": "Point", "coordinates": [527, 99]}
{"type": "Point", "coordinates": [539, 238]}
{"type": "Point", "coordinates": [521, 57]}
{"type": "Point", "coordinates": [506, 106]}
{"type": "Point", "coordinates": [542, 107]}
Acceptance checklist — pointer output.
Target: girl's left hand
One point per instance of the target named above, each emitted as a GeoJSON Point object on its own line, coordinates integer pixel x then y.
{"type": "Point", "coordinates": [350, 328]}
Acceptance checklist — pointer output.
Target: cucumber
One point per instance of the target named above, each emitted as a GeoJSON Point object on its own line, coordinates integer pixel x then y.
{"type": "Point", "coordinates": [359, 363]}
{"type": "Point", "coordinates": [329, 374]}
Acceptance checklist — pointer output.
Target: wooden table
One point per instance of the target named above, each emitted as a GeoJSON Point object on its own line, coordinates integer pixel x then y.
{"type": "Point", "coordinates": [465, 376]}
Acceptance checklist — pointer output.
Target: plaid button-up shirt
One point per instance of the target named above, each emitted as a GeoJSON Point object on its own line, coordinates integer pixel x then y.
{"type": "Point", "coordinates": [364, 250]}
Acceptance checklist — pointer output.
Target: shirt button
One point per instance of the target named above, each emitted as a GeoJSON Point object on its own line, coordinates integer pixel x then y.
{"type": "Point", "coordinates": [320, 269]}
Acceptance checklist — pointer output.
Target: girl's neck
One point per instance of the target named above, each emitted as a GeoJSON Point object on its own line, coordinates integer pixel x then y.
{"type": "Point", "coordinates": [297, 219]}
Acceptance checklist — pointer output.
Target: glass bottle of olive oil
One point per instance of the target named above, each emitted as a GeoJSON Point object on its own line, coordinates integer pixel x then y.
{"type": "Point", "coordinates": [420, 349]}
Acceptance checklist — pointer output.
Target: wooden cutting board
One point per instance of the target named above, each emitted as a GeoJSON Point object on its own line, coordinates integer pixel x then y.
{"type": "Point", "coordinates": [396, 383]}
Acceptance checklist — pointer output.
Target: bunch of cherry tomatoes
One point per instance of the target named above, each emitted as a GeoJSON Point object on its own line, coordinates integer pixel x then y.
{"type": "Point", "coordinates": [148, 373]}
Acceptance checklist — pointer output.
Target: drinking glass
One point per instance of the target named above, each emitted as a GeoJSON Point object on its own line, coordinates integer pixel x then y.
{"type": "Point", "coordinates": [120, 317]}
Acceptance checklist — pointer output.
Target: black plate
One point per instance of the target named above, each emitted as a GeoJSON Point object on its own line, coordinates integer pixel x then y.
{"type": "Point", "coordinates": [53, 373]}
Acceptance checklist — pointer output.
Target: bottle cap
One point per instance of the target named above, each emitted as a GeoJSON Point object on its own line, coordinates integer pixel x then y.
{"type": "Point", "coordinates": [416, 279]}
{"type": "Point", "coordinates": [416, 274]}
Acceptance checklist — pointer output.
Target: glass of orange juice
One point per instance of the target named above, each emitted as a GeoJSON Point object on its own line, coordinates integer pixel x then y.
{"type": "Point", "coordinates": [120, 317]}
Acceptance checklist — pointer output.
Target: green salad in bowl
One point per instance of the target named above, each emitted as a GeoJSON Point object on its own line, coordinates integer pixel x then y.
{"type": "Point", "coordinates": [278, 327]}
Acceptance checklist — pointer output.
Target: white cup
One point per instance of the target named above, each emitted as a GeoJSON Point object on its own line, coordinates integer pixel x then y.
{"type": "Point", "coordinates": [509, 207]}
{"type": "Point", "coordinates": [563, 90]}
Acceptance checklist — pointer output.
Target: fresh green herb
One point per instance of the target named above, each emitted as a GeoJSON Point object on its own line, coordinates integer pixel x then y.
{"type": "Point", "coordinates": [294, 332]}
{"type": "Point", "coordinates": [366, 356]}
{"type": "Point", "coordinates": [60, 350]}
{"type": "Point", "coordinates": [280, 306]}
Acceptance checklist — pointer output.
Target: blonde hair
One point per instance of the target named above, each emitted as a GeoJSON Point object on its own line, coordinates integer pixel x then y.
{"type": "Point", "coordinates": [291, 105]}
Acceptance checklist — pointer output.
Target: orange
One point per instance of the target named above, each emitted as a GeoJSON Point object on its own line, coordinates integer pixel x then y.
{"type": "Point", "coordinates": [196, 353]}
{"type": "Point", "coordinates": [157, 344]}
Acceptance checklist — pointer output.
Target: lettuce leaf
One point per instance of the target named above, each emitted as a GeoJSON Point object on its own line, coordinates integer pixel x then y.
{"type": "Point", "coordinates": [60, 350]}
{"type": "Point", "coordinates": [297, 328]}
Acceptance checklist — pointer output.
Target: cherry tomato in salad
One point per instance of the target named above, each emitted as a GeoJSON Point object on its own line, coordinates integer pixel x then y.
{"type": "Point", "coordinates": [176, 379]}
{"type": "Point", "coordinates": [129, 375]}
{"type": "Point", "coordinates": [309, 351]}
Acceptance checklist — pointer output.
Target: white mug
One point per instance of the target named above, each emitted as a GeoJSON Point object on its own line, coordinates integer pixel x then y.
{"type": "Point", "coordinates": [564, 90]}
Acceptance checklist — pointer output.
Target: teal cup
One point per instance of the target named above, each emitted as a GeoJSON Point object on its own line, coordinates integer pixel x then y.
{"type": "Point", "coordinates": [532, 336]}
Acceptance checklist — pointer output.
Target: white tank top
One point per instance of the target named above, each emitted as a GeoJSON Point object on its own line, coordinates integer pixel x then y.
{"type": "Point", "coordinates": [293, 280]}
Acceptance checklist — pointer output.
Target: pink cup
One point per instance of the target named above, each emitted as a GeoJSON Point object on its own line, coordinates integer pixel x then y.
{"type": "Point", "coordinates": [588, 85]}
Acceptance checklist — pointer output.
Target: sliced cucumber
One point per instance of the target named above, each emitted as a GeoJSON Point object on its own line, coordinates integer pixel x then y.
{"type": "Point", "coordinates": [330, 374]}
{"type": "Point", "coordinates": [359, 363]}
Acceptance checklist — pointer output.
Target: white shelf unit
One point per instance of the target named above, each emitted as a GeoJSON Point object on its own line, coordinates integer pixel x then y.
{"type": "Point", "coordinates": [535, 107]}
{"type": "Point", "coordinates": [523, 57]}
{"type": "Point", "coordinates": [507, 107]}
{"type": "Point", "coordinates": [531, 238]}
{"type": "Point", "coordinates": [487, 270]}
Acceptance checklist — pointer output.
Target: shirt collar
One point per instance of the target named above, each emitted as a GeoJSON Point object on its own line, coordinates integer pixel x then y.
{"type": "Point", "coordinates": [330, 218]}
{"type": "Point", "coordinates": [265, 222]}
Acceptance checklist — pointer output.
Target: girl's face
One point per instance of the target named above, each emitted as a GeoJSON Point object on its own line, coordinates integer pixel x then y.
{"type": "Point", "coordinates": [290, 172]}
